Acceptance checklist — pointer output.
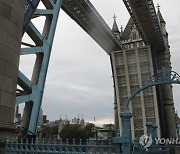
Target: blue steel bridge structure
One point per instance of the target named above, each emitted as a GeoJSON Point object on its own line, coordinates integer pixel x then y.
{"type": "Point", "coordinates": [87, 17]}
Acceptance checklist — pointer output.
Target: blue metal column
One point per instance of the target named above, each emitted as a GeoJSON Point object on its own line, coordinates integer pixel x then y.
{"type": "Point", "coordinates": [126, 133]}
{"type": "Point", "coordinates": [33, 90]}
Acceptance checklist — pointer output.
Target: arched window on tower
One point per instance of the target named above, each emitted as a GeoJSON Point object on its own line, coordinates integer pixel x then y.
{"type": "Point", "coordinates": [134, 36]}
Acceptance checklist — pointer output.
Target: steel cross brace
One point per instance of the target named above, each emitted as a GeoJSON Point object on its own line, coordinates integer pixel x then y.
{"type": "Point", "coordinates": [33, 89]}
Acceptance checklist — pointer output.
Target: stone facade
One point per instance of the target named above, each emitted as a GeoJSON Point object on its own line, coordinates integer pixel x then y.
{"type": "Point", "coordinates": [134, 66]}
{"type": "Point", "coordinates": [11, 22]}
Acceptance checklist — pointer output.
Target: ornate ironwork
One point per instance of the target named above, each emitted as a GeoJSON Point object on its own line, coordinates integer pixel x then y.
{"type": "Point", "coordinates": [164, 75]}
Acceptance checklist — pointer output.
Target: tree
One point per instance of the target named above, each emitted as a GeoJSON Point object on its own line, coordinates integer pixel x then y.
{"type": "Point", "coordinates": [48, 131]}
{"type": "Point", "coordinates": [76, 132]}
{"type": "Point", "coordinates": [71, 132]}
{"type": "Point", "coordinates": [88, 130]}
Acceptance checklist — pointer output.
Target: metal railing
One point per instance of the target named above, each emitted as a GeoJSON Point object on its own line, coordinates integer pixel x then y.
{"type": "Point", "coordinates": [148, 143]}
{"type": "Point", "coordinates": [55, 147]}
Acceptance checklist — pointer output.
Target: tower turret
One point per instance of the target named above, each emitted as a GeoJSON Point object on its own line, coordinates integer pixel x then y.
{"type": "Point", "coordinates": [115, 28]}
{"type": "Point", "coordinates": [161, 20]}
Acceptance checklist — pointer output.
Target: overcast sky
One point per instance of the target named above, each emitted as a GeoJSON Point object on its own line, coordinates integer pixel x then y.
{"type": "Point", "coordinates": [79, 79]}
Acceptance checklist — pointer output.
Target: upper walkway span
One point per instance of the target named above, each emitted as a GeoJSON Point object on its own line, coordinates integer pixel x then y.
{"type": "Point", "coordinates": [87, 17]}
{"type": "Point", "coordinates": [144, 16]}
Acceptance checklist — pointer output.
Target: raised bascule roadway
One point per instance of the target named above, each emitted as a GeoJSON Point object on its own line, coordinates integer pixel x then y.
{"type": "Point", "coordinates": [144, 16]}
{"type": "Point", "coordinates": [87, 17]}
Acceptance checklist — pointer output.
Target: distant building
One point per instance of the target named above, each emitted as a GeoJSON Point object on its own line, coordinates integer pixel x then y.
{"type": "Point", "coordinates": [105, 134]}
{"type": "Point", "coordinates": [74, 121]}
{"type": "Point", "coordinates": [45, 119]}
{"type": "Point", "coordinates": [82, 122]}
{"type": "Point", "coordinates": [63, 122]}
{"type": "Point", "coordinates": [40, 118]}
{"type": "Point", "coordinates": [78, 121]}
{"type": "Point", "coordinates": [51, 123]}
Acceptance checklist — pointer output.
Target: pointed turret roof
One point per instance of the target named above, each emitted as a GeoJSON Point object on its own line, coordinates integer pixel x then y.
{"type": "Point", "coordinates": [60, 118]}
{"type": "Point", "coordinates": [161, 19]}
{"type": "Point", "coordinates": [127, 30]}
{"type": "Point", "coordinates": [115, 26]}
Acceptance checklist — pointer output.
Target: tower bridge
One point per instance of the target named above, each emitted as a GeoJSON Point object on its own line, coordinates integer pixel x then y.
{"type": "Point", "coordinates": [87, 17]}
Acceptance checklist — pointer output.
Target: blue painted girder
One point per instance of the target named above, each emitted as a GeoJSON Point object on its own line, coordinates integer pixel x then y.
{"type": "Point", "coordinates": [33, 89]}
{"type": "Point", "coordinates": [30, 8]}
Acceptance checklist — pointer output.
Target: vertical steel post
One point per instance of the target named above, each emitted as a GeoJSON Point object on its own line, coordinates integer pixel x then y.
{"type": "Point", "coordinates": [154, 133]}
{"type": "Point", "coordinates": [149, 128]}
{"type": "Point", "coordinates": [126, 132]}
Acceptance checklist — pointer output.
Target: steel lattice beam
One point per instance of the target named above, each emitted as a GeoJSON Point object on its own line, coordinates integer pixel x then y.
{"type": "Point", "coordinates": [33, 89]}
